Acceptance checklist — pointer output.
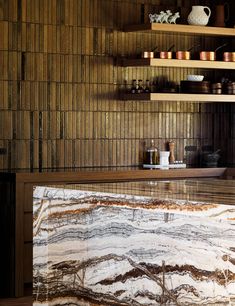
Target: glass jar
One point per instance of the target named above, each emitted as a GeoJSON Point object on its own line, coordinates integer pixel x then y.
{"type": "Point", "coordinates": [147, 87]}
{"type": "Point", "coordinates": [134, 86]}
{"type": "Point", "coordinates": [151, 155]}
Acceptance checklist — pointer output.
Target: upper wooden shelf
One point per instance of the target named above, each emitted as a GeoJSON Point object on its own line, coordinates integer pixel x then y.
{"type": "Point", "coordinates": [181, 28]}
{"type": "Point", "coordinates": [206, 98]}
{"type": "Point", "coordinates": [158, 62]}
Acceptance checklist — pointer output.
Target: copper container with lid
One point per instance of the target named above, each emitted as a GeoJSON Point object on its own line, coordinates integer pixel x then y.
{"type": "Point", "coordinates": [147, 54]}
{"type": "Point", "coordinates": [210, 55]}
{"type": "Point", "coordinates": [183, 55]}
{"type": "Point", "coordinates": [229, 56]}
{"type": "Point", "coordinates": [207, 55]}
{"type": "Point", "coordinates": [165, 54]}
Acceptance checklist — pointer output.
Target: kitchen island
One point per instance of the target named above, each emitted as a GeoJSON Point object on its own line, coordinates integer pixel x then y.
{"type": "Point", "coordinates": [135, 243]}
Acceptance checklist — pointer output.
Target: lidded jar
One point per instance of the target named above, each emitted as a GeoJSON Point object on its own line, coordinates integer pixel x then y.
{"type": "Point", "coordinates": [151, 155]}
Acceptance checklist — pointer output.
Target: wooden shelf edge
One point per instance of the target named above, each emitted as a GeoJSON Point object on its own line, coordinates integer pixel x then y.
{"type": "Point", "coordinates": [206, 98]}
{"type": "Point", "coordinates": [158, 62]}
{"type": "Point", "coordinates": [181, 28]}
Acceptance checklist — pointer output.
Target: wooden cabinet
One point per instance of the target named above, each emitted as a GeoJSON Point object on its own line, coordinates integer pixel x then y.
{"type": "Point", "coordinates": [157, 62]}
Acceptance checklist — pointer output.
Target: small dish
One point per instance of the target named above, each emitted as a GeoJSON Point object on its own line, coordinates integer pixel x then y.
{"type": "Point", "coordinates": [195, 77]}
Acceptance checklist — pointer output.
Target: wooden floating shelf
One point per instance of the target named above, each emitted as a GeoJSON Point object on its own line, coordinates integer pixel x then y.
{"type": "Point", "coordinates": [181, 28]}
{"type": "Point", "coordinates": [208, 98]}
{"type": "Point", "coordinates": [158, 62]}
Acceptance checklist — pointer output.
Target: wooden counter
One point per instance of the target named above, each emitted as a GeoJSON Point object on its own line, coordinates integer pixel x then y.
{"type": "Point", "coordinates": [16, 211]}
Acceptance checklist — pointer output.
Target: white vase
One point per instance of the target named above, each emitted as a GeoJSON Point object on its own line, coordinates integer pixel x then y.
{"type": "Point", "coordinates": [198, 15]}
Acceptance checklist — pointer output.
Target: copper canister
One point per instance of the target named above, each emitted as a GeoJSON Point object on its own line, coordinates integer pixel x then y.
{"type": "Point", "coordinates": [183, 55]}
{"type": "Point", "coordinates": [229, 56]}
{"type": "Point", "coordinates": [207, 55]}
{"type": "Point", "coordinates": [165, 54]}
{"type": "Point", "coordinates": [147, 54]}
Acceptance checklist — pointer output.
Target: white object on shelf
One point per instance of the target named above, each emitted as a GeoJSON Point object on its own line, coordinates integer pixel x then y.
{"type": "Point", "coordinates": [170, 166]}
{"type": "Point", "coordinates": [195, 77]}
{"type": "Point", "coordinates": [198, 15]}
{"type": "Point", "coordinates": [164, 158]}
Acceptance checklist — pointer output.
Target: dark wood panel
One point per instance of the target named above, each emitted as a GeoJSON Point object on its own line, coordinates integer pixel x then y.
{"type": "Point", "coordinates": [28, 262]}
{"type": "Point", "coordinates": [28, 222]}
{"type": "Point", "coordinates": [7, 234]}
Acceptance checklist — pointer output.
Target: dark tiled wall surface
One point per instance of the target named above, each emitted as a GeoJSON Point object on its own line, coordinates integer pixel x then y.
{"type": "Point", "coordinates": [60, 85]}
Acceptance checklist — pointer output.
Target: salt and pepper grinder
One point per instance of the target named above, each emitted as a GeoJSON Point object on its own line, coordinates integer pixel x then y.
{"type": "Point", "coordinates": [172, 149]}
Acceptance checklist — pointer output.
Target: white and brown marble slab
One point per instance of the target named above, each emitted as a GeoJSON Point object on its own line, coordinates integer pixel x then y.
{"type": "Point", "coordinates": [145, 243]}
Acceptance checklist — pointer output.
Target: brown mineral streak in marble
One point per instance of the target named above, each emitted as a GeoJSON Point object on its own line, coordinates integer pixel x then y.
{"type": "Point", "coordinates": [72, 212]}
{"type": "Point", "coordinates": [155, 204]}
{"type": "Point", "coordinates": [70, 282]}
{"type": "Point", "coordinates": [197, 274]}
{"type": "Point", "coordinates": [73, 267]}
{"type": "Point", "coordinates": [141, 269]}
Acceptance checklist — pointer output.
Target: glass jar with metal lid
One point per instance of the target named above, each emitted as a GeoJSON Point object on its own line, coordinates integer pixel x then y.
{"type": "Point", "coordinates": [151, 155]}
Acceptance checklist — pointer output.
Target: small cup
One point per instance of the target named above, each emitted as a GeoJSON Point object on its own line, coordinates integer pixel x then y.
{"type": "Point", "coordinates": [164, 158]}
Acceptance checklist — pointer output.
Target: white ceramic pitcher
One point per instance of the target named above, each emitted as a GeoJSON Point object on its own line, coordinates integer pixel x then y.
{"type": "Point", "coordinates": [198, 15]}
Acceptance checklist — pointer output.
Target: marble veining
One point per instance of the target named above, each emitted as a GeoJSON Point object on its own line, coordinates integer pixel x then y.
{"type": "Point", "coordinates": [101, 248]}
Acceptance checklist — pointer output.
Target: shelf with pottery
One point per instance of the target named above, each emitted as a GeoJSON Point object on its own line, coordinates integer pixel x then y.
{"type": "Point", "coordinates": [158, 62]}
{"type": "Point", "coordinates": [181, 28]}
{"type": "Point", "coordinates": [207, 98]}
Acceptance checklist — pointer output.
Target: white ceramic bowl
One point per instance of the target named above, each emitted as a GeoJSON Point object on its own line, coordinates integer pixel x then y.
{"type": "Point", "coordinates": [195, 77]}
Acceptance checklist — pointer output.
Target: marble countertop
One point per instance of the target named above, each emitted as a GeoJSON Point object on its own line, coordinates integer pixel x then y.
{"type": "Point", "coordinates": [208, 190]}
{"type": "Point", "coordinates": [146, 243]}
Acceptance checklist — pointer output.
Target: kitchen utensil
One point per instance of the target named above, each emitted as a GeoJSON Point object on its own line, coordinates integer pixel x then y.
{"type": "Point", "coordinates": [166, 54]}
{"type": "Point", "coordinates": [183, 55]}
{"type": "Point", "coordinates": [171, 149]}
{"type": "Point", "coordinates": [193, 47]}
{"type": "Point", "coordinates": [229, 56]}
{"type": "Point", "coordinates": [171, 48]}
{"type": "Point", "coordinates": [195, 77]}
{"type": "Point", "coordinates": [210, 55]}
{"type": "Point", "coordinates": [207, 56]}
{"type": "Point", "coordinates": [198, 15]}
{"type": "Point", "coordinates": [148, 54]}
